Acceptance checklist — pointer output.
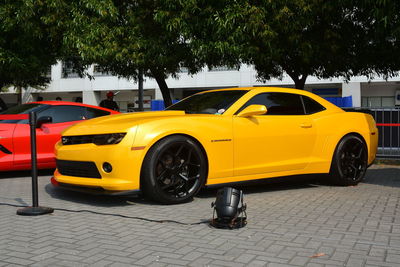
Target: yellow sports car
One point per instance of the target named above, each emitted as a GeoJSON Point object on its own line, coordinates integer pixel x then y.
{"type": "Point", "coordinates": [216, 137]}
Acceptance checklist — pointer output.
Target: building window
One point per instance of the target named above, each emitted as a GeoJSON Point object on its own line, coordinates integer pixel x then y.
{"type": "Point", "coordinates": [222, 68]}
{"type": "Point", "coordinates": [377, 101]}
{"type": "Point", "coordinates": [100, 71]}
{"type": "Point", "coordinates": [68, 71]}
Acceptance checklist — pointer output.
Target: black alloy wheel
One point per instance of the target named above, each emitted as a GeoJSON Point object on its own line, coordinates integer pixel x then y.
{"type": "Point", "coordinates": [174, 170]}
{"type": "Point", "coordinates": [350, 161]}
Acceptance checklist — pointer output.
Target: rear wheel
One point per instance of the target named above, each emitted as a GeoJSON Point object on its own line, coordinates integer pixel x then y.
{"type": "Point", "coordinates": [174, 170]}
{"type": "Point", "coordinates": [350, 161]}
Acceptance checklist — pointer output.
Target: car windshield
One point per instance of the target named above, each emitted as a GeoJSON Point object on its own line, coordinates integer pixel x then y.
{"type": "Point", "coordinates": [208, 103]}
{"type": "Point", "coordinates": [21, 109]}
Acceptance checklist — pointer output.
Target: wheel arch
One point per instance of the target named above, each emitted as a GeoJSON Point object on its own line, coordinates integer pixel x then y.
{"type": "Point", "coordinates": [356, 134]}
{"type": "Point", "coordinates": [341, 138]}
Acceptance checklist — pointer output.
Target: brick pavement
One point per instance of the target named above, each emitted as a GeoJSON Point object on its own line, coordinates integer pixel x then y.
{"type": "Point", "coordinates": [287, 224]}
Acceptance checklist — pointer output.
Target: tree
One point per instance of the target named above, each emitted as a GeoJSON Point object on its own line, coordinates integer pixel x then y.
{"type": "Point", "coordinates": [301, 38]}
{"type": "Point", "coordinates": [28, 44]}
{"type": "Point", "coordinates": [381, 29]}
{"type": "Point", "coordinates": [124, 37]}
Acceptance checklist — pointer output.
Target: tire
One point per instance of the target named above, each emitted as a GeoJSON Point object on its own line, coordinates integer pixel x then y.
{"type": "Point", "coordinates": [174, 170]}
{"type": "Point", "coordinates": [349, 162]}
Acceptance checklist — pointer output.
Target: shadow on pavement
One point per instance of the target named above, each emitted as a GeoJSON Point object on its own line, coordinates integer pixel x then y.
{"type": "Point", "coordinates": [382, 176]}
{"type": "Point", "coordinates": [250, 187]}
{"type": "Point", "coordinates": [24, 174]}
{"type": "Point", "coordinates": [94, 200]}
{"type": "Point", "coordinates": [267, 185]}
{"type": "Point", "coordinates": [387, 176]}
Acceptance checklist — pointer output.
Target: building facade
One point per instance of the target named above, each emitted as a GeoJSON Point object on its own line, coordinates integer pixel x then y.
{"type": "Point", "coordinates": [68, 86]}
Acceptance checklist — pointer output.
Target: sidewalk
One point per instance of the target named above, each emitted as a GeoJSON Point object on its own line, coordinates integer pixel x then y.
{"type": "Point", "coordinates": [291, 224]}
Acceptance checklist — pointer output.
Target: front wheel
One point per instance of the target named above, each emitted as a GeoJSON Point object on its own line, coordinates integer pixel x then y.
{"type": "Point", "coordinates": [350, 161]}
{"type": "Point", "coordinates": [174, 170]}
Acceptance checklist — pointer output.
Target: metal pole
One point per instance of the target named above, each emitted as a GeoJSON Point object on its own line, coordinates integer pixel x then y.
{"type": "Point", "coordinates": [34, 172]}
{"type": "Point", "coordinates": [35, 209]}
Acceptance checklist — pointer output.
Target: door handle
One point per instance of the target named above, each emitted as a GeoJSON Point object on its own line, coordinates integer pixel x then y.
{"type": "Point", "coordinates": [306, 125]}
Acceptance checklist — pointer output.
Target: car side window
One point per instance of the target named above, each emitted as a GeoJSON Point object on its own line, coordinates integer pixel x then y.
{"type": "Point", "coordinates": [311, 105]}
{"type": "Point", "coordinates": [94, 113]}
{"type": "Point", "coordinates": [277, 103]}
{"type": "Point", "coordinates": [64, 113]}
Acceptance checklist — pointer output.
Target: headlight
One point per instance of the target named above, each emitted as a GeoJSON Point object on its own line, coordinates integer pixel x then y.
{"type": "Point", "coordinates": [98, 139]}
{"type": "Point", "coordinates": [108, 139]}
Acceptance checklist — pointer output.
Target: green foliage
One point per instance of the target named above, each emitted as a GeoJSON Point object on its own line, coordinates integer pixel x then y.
{"type": "Point", "coordinates": [123, 37]}
{"type": "Point", "coordinates": [28, 44]}
{"type": "Point", "coordinates": [298, 37]}
{"type": "Point", "coordinates": [315, 37]}
{"type": "Point", "coordinates": [380, 50]}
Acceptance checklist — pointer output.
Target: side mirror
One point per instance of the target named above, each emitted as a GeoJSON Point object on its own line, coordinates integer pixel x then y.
{"type": "Point", "coordinates": [43, 120]}
{"type": "Point", "coordinates": [253, 110]}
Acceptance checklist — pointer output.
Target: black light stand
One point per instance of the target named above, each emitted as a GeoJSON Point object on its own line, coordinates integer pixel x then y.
{"type": "Point", "coordinates": [35, 209]}
{"type": "Point", "coordinates": [230, 209]}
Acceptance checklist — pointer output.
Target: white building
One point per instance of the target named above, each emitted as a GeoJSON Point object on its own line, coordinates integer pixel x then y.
{"type": "Point", "coordinates": [70, 87]}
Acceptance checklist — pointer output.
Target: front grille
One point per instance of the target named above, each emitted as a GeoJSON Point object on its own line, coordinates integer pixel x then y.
{"type": "Point", "coordinates": [78, 168]}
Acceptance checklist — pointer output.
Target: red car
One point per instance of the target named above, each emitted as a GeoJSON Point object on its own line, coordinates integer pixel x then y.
{"type": "Point", "coordinates": [52, 118]}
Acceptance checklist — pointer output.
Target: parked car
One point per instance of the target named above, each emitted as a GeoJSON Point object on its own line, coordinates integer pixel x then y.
{"type": "Point", "coordinates": [216, 137]}
{"type": "Point", "coordinates": [52, 118]}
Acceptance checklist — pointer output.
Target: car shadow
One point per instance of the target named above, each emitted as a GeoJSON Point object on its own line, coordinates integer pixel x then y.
{"type": "Point", "coordinates": [92, 199]}
{"type": "Point", "coordinates": [388, 176]}
{"type": "Point", "coordinates": [25, 173]}
{"type": "Point", "coordinates": [267, 185]}
{"type": "Point", "coordinates": [250, 187]}
{"type": "Point", "coordinates": [384, 176]}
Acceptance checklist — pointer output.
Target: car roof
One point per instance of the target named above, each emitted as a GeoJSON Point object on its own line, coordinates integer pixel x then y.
{"type": "Point", "coordinates": [258, 88]}
{"type": "Point", "coordinates": [264, 89]}
{"type": "Point", "coordinates": [261, 89]}
{"type": "Point", "coordinates": [63, 103]}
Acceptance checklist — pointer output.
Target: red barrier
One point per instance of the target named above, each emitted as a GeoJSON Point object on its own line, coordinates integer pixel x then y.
{"type": "Point", "coordinates": [388, 124]}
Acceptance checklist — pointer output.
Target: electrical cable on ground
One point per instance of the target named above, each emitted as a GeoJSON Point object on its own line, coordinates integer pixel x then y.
{"type": "Point", "coordinates": [114, 214]}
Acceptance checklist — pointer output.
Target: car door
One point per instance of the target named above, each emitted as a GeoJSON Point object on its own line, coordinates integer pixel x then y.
{"type": "Point", "coordinates": [280, 140]}
{"type": "Point", "coordinates": [6, 146]}
{"type": "Point", "coordinates": [47, 135]}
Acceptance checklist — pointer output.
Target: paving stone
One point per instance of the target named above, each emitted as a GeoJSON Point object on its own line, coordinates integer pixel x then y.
{"type": "Point", "coordinates": [245, 258]}
{"type": "Point", "coordinates": [287, 225]}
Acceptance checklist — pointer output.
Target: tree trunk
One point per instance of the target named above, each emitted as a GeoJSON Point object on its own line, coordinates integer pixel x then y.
{"type": "Point", "coordinates": [163, 87]}
{"type": "Point", "coordinates": [19, 92]}
{"type": "Point", "coordinates": [140, 89]}
{"type": "Point", "coordinates": [299, 81]}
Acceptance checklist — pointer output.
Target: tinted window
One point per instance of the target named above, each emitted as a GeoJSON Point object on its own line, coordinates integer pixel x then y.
{"type": "Point", "coordinates": [208, 103]}
{"type": "Point", "coordinates": [64, 113]}
{"type": "Point", "coordinates": [94, 113]}
{"type": "Point", "coordinates": [277, 103]}
{"type": "Point", "coordinates": [311, 105]}
{"type": "Point", "coordinates": [22, 109]}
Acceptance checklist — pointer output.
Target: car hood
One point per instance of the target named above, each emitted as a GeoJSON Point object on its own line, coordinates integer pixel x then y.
{"type": "Point", "coordinates": [118, 123]}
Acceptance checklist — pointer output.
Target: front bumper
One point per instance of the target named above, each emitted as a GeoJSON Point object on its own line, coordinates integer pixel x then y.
{"type": "Point", "coordinates": [93, 190]}
{"type": "Point", "coordinates": [82, 167]}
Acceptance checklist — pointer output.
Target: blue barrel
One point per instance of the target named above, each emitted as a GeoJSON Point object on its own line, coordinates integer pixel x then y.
{"type": "Point", "coordinates": [159, 104]}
